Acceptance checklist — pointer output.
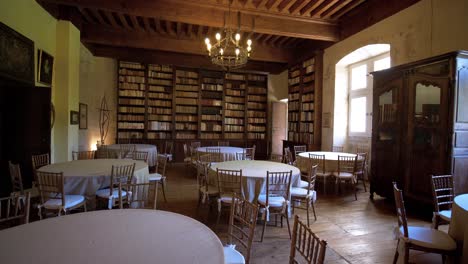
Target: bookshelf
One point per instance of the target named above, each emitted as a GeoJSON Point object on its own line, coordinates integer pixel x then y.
{"type": "Point", "coordinates": [304, 103]}
{"type": "Point", "coordinates": [163, 102]}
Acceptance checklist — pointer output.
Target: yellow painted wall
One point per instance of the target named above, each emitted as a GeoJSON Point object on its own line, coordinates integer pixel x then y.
{"type": "Point", "coordinates": [98, 77]}
{"type": "Point", "coordinates": [426, 29]}
{"type": "Point", "coordinates": [31, 20]}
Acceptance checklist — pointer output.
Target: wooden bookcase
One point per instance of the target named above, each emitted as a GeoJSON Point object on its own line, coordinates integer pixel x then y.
{"type": "Point", "coordinates": [161, 102]}
{"type": "Point", "coordinates": [304, 104]}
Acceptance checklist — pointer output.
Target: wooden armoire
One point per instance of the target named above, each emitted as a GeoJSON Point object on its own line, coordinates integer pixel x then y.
{"type": "Point", "coordinates": [420, 126]}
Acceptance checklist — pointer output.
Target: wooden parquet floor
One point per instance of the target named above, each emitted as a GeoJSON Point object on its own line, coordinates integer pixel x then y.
{"type": "Point", "coordinates": [356, 231]}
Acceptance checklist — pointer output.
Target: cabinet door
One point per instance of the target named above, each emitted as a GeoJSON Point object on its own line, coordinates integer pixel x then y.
{"type": "Point", "coordinates": [386, 135]}
{"type": "Point", "coordinates": [427, 134]}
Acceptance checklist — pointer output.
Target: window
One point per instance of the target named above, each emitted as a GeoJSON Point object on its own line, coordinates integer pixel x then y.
{"type": "Point", "coordinates": [360, 93]}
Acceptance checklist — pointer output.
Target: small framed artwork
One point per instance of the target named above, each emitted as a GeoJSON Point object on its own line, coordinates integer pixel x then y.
{"type": "Point", "coordinates": [83, 116]}
{"type": "Point", "coordinates": [74, 117]}
{"type": "Point", "coordinates": [45, 65]}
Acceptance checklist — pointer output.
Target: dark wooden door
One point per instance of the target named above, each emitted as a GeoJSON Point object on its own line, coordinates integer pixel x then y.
{"type": "Point", "coordinates": [427, 132]}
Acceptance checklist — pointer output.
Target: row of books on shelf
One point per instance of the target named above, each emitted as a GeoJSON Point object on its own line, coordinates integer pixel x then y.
{"type": "Point", "coordinates": [233, 121]}
{"type": "Point", "coordinates": [253, 128]}
{"type": "Point", "coordinates": [234, 113]}
{"type": "Point", "coordinates": [163, 68]}
{"type": "Point", "coordinates": [159, 111]}
{"type": "Point", "coordinates": [293, 96]}
{"type": "Point", "coordinates": [235, 85]}
{"type": "Point", "coordinates": [133, 79]}
{"type": "Point", "coordinates": [256, 120]}
{"type": "Point", "coordinates": [159, 89]}
{"type": "Point", "coordinates": [307, 116]}
{"type": "Point", "coordinates": [213, 80]}
{"type": "Point", "coordinates": [308, 107]}
{"type": "Point", "coordinates": [125, 125]}
{"type": "Point", "coordinates": [306, 127]}
{"type": "Point", "coordinates": [124, 71]}
{"type": "Point", "coordinates": [186, 74]}
{"type": "Point", "coordinates": [258, 78]}
{"type": "Point", "coordinates": [256, 105]}
{"type": "Point", "coordinates": [229, 106]}
{"type": "Point", "coordinates": [182, 80]}
{"type": "Point", "coordinates": [156, 125]}
{"type": "Point", "coordinates": [292, 126]}
{"type": "Point", "coordinates": [167, 118]}
{"type": "Point", "coordinates": [186, 101]}
{"type": "Point", "coordinates": [235, 92]}
{"type": "Point", "coordinates": [294, 81]}
{"type": "Point", "coordinates": [134, 118]}
{"type": "Point", "coordinates": [210, 136]}
{"type": "Point", "coordinates": [309, 69]}
{"type": "Point", "coordinates": [208, 110]}
{"type": "Point", "coordinates": [132, 93]}
{"type": "Point", "coordinates": [307, 97]}
{"type": "Point", "coordinates": [237, 100]}
{"type": "Point", "coordinates": [308, 78]}
{"type": "Point", "coordinates": [258, 98]}
{"type": "Point", "coordinates": [186, 126]}
{"type": "Point", "coordinates": [188, 88]}
{"type": "Point", "coordinates": [233, 128]}
{"type": "Point", "coordinates": [132, 65]}
{"type": "Point", "coordinates": [132, 86]}
{"type": "Point", "coordinates": [294, 73]}
{"type": "Point", "coordinates": [160, 103]}
{"type": "Point", "coordinates": [233, 136]}
{"type": "Point", "coordinates": [160, 82]}
{"type": "Point", "coordinates": [255, 135]}
{"type": "Point", "coordinates": [212, 87]}
{"type": "Point", "coordinates": [186, 109]}
{"type": "Point", "coordinates": [186, 94]}
{"type": "Point", "coordinates": [306, 138]}
{"type": "Point", "coordinates": [233, 76]}
{"type": "Point", "coordinates": [162, 75]}
{"type": "Point", "coordinates": [211, 102]}
{"type": "Point", "coordinates": [293, 105]}
{"type": "Point", "coordinates": [256, 114]}
{"type": "Point", "coordinates": [186, 118]}
{"type": "Point", "coordinates": [211, 117]}
{"type": "Point", "coordinates": [160, 96]}
{"type": "Point", "coordinates": [309, 62]}
{"type": "Point", "coordinates": [131, 101]}
{"type": "Point", "coordinates": [183, 135]}
{"type": "Point", "coordinates": [210, 127]}
{"type": "Point", "coordinates": [293, 116]}
{"type": "Point", "coordinates": [159, 135]}
{"type": "Point", "coordinates": [131, 109]}
{"type": "Point", "coordinates": [257, 90]}
{"type": "Point", "coordinates": [130, 134]}
{"type": "Point", "coordinates": [212, 95]}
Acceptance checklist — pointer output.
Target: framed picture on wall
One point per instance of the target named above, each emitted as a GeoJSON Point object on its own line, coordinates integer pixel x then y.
{"type": "Point", "coordinates": [74, 118]}
{"type": "Point", "coordinates": [45, 65]}
{"type": "Point", "coordinates": [83, 116]}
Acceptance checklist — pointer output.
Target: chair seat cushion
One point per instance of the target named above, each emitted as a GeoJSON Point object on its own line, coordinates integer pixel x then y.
{"type": "Point", "coordinates": [321, 174]}
{"type": "Point", "coordinates": [302, 193]}
{"type": "Point", "coordinates": [70, 201]}
{"type": "Point", "coordinates": [304, 184]}
{"type": "Point", "coordinates": [154, 177]}
{"type": "Point", "coordinates": [211, 190]}
{"type": "Point", "coordinates": [430, 238]}
{"type": "Point", "coordinates": [105, 193]}
{"type": "Point", "coordinates": [225, 198]}
{"type": "Point", "coordinates": [232, 256]}
{"type": "Point", "coordinates": [344, 175]}
{"type": "Point", "coordinates": [273, 201]}
{"type": "Point", "coordinates": [168, 156]}
{"type": "Point", "coordinates": [446, 215]}
{"type": "Point", "coordinates": [187, 159]}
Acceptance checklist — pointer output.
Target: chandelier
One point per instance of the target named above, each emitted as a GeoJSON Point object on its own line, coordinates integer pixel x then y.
{"type": "Point", "coordinates": [227, 51]}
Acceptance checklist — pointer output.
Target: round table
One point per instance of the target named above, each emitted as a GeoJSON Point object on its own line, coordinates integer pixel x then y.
{"type": "Point", "coordinates": [228, 153]}
{"type": "Point", "coordinates": [457, 229]}
{"type": "Point", "coordinates": [85, 177]}
{"type": "Point", "coordinates": [112, 237]}
{"type": "Point", "coordinates": [331, 159]}
{"type": "Point", "coordinates": [254, 173]}
{"type": "Point", "coordinates": [151, 149]}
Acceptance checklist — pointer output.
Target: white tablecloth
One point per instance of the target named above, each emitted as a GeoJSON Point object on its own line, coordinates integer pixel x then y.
{"type": "Point", "coordinates": [255, 172]}
{"type": "Point", "coordinates": [151, 149]}
{"type": "Point", "coordinates": [458, 229]}
{"type": "Point", "coordinates": [112, 237]}
{"type": "Point", "coordinates": [331, 160]}
{"type": "Point", "coordinates": [85, 177]}
{"type": "Point", "coordinates": [228, 153]}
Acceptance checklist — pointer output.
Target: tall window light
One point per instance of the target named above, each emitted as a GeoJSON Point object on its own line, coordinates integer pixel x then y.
{"type": "Point", "coordinates": [360, 93]}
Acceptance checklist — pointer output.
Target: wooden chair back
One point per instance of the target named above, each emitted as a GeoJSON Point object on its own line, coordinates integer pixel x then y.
{"type": "Point", "coordinates": [161, 165]}
{"type": "Point", "coordinates": [276, 157]}
{"type": "Point", "coordinates": [186, 151]}
{"type": "Point", "coordinates": [15, 208]}
{"type": "Point", "coordinates": [242, 222]}
{"type": "Point", "coordinates": [121, 174]}
{"type": "Point", "coordinates": [400, 208]}
{"type": "Point", "coordinates": [300, 149]}
{"type": "Point", "coordinates": [442, 192]}
{"type": "Point", "coordinates": [305, 242]}
{"type": "Point", "coordinates": [127, 150]}
{"type": "Point", "coordinates": [215, 154]}
{"type": "Point", "coordinates": [318, 160]}
{"type": "Point", "coordinates": [337, 148]}
{"type": "Point", "coordinates": [223, 143]}
{"type": "Point", "coordinates": [229, 182]}
{"type": "Point", "coordinates": [140, 155]}
{"type": "Point", "coordinates": [83, 155]}
{"type": "Point", "coordinates": [168, 147]}
{"type": "Point", "coordinates": [278, 184]}
{"type": "Point", "coordinates": [288, 156]}
{"type": "Point", "coordinates": [195, 145]}
{"type": "Point", "coordinates": [102, 152]}
{"type": "Point", "coordinates": [203, 166]}
{"type": "Point", "coordinates": [361, 162]}
{"type": "Point", "coordinates": [40, 160]}
{"type": "Point", "coordinates": [16, 178]}
{"type": "Point", "coordinates": [362, 149]}
{"type": "Point", "coordinates": [347, 164]}
{"type": "Point", "coordinates": [140, 195]}
{"type": "Point", "coordinates": [310, 178]}
{"type": "Point", "coordinates": [249, 153]}
{"type": "Point", "coordinates": [50, 186]}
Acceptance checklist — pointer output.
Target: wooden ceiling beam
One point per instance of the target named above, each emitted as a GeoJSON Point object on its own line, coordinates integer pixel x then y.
{"type": "Point", "coordinates": [296, 8]}
{"type": "Point", "coordinates": [210, 14]}
{"type": "Point", "coordinates": [310, 6]}
{"type": "Point", "coordinates": [335, 8]}
{"type": "Point", "coordinates": [179, 59]}
{"type": "Point", "coordinates": [322, 7]}
{"type": "Point", "coordinates": [135, 39]}
{"type": "Point", "coordinates": [347, 8]}
{"type": "Point", "coordinates": [98, 16]}
{"type": "Point", "coordinates": [147, 24]}
{"type": "Point", "coordinates": [135, 23]}
{"type": "Point", "coordinates": [86, 16]}
{"type": "Point", "coordinates": [111, 19]}
{"type": "Point", "coordinates": [286, 4]}
{"type": "Point", "coordinates": [124, 22]}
